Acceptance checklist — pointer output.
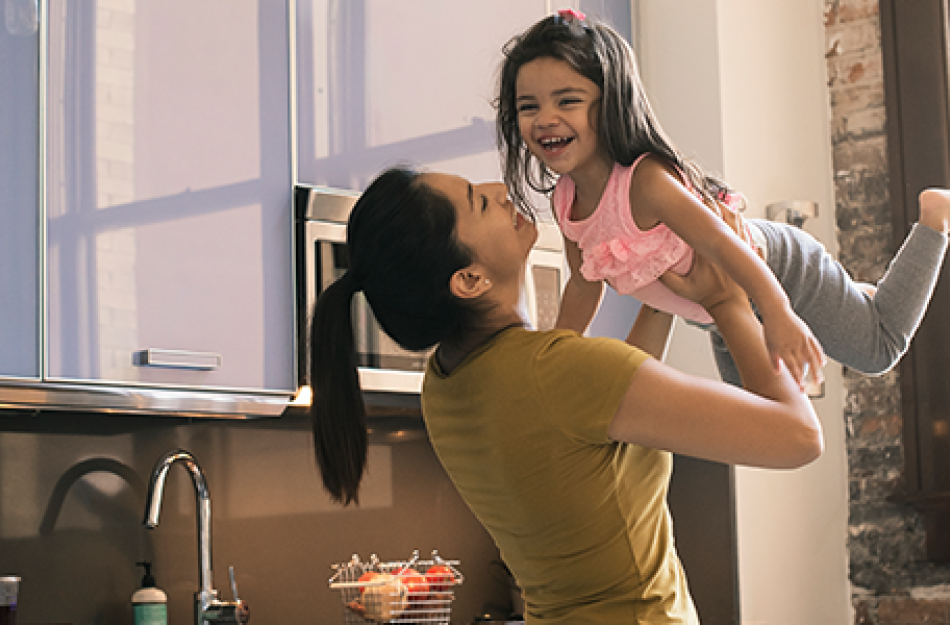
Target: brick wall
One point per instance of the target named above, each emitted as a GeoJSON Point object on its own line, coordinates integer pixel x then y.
{"type": "Point", "coordinates": [891, 582]}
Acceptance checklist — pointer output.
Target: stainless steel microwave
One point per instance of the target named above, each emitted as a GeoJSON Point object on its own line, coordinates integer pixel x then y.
{"type": "Point", "coordinates": [385, 367]}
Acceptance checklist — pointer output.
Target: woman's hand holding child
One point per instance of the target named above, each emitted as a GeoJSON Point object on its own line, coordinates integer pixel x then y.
{"type": "Point", "coordinates": [707, 284]}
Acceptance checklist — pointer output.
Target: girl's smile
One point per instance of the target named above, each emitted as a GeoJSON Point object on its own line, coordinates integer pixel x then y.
{"type": "Point", "coordinates": [554, 145]}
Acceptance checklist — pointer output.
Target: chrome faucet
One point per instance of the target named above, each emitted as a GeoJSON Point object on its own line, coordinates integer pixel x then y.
{"type": "Point", "coordinates": [208, 608]}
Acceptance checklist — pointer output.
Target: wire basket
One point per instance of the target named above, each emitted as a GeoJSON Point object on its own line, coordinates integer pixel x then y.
{"type": "Point", "coordinates": [409, 591]}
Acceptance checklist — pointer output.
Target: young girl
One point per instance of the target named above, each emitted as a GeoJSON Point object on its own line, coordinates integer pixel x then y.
{"type": "Point", "coordinates": [573, 118]}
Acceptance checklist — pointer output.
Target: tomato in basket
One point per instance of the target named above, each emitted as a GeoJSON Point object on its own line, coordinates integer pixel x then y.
{"type": "Point", "coordinates": [415, 583]}
{"type": "Point", "coordinates": [440, 578]}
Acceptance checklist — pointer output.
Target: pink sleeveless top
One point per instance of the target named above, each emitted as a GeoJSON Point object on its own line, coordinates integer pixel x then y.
{"type": "Point", "coordinates": [614, 249]}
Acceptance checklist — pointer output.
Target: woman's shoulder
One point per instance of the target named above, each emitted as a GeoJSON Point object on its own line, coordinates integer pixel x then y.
{"type": "Point", "coordinates": [534, 341]}
{"type": "Point", "coordinates": [569, 350]}
{"type": "Point", "coordinates": [557, 345]}
{"type": "Point", "coordinates": [507, 348]}
{"type": "Point", "coordinates": [522, 349]}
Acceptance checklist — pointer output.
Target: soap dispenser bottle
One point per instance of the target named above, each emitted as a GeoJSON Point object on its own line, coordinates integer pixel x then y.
{"type": "Point", "coordinates": [149, 604]}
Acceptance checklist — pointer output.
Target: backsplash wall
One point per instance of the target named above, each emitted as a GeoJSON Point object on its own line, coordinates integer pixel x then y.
{"type": "Point", "coordinates": [72, 501]}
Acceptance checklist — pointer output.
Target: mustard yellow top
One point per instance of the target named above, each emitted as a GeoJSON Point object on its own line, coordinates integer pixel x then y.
{"type": "Point", "coordinates": [521, 428]}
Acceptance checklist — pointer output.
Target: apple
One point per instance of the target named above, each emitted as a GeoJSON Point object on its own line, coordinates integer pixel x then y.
{"type": "Point", "coordinates": [387, 600]}
{"type": "Point", "coordinates": [440, 578]}
{"type": "Point", "coordinates": [366, 577]}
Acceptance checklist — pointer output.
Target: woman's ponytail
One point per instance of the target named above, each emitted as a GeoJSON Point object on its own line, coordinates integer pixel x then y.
{"type": "Point", "coordinates": [402, 250]}
{"type": "Point", "coordinates": [338, 414]}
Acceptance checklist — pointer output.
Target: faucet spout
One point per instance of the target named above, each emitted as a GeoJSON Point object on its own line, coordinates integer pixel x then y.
{"type": "Point", "coordinates": [156, 490]}
{"type": "Point", "coordinates": [209, 610]}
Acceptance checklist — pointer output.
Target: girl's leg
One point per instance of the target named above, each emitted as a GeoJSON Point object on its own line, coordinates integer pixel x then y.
{"type": "Point", "coordinates": [862, 326]}
{"type": "Point", "coordinates": [864, 331]}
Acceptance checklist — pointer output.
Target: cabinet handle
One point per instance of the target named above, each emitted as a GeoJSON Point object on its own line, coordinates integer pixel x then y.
{"type": "Point", "coordinates": [176, 359]}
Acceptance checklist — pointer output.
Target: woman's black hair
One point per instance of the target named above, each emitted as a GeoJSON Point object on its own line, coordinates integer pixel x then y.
{"type": "Point", "coordinates": [403, 249]}
{"type": "Point", "coordinates": [627, 126]}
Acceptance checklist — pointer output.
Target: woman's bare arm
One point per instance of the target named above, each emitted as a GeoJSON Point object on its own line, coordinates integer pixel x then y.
{"type": "Point", "coordinates": [771, 424]}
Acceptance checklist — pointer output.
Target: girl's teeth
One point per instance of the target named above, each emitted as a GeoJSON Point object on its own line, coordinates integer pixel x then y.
{"type": "Point", "coordinates": [553, 143]}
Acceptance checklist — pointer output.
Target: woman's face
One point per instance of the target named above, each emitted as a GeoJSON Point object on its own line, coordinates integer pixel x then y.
{"type": "Point", "coordinates": [487, 222]}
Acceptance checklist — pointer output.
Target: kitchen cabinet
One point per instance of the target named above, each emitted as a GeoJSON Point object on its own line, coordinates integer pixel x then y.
{"type": "Point", "coordinates": [382, 83]}
{"type": "Point", "coordinates": [168, 195]}
{"type": "Point", "coordinates": [19, 191]}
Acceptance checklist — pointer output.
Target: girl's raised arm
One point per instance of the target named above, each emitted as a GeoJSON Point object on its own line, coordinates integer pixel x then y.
{"type": "Point", "coordinates": [651, 331]}
{"type": "Point", "coordinates": [581, 298]}
{"type": "Point", "coordinates": [658, 195]}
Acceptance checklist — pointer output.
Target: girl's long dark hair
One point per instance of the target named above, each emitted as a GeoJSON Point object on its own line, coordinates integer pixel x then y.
{"type": "Point", "coordinates": [403, 249]}
{"type": "Point", "coordinates": [627, 126]}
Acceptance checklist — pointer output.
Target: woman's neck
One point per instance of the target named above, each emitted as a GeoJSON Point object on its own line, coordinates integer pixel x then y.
{"type": "Point", "coordinates": [452, 352]}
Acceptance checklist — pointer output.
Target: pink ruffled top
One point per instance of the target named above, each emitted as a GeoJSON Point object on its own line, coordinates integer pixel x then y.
{"type": "Point", "coordinates": [614, 249]}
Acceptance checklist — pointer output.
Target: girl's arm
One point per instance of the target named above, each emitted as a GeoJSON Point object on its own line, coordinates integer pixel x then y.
{"type": "Point", "coordinates": [581, 298]}
{"type": "Point", "coordinates": [658, 195]}
{"type": "Point", "coordinates": [773, 426]}
{"type": "Point", "coordinates": [651, 331]}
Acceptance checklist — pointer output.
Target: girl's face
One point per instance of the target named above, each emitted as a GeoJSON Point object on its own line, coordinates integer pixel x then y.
{"type": "Point", "coordinates": [487, 222]}
{"type": "Point", "coordinates": [557, 116]}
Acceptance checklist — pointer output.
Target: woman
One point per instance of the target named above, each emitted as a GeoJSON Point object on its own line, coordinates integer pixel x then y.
{"type": "Point", "coordinates": [559, 444]}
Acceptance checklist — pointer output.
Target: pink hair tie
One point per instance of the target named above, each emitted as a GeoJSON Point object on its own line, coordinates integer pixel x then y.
{"type": "Point", "coordinates": [569, 15]}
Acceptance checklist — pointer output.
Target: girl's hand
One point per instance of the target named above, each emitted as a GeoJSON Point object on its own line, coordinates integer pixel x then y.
{"type": "Point", "coordinates": [791, 341]}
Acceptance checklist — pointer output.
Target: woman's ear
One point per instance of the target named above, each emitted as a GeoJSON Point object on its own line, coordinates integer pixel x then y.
{"type": "Point", "coordinates": [468, 283]}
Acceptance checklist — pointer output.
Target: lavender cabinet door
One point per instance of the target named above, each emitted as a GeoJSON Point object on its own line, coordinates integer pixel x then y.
{"type": "Point", "coordinates": [381, 83]}
{"type": "Point", "coordinates": [168, 191]}
{"type": "Point", "coordinates": [19, 190]}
